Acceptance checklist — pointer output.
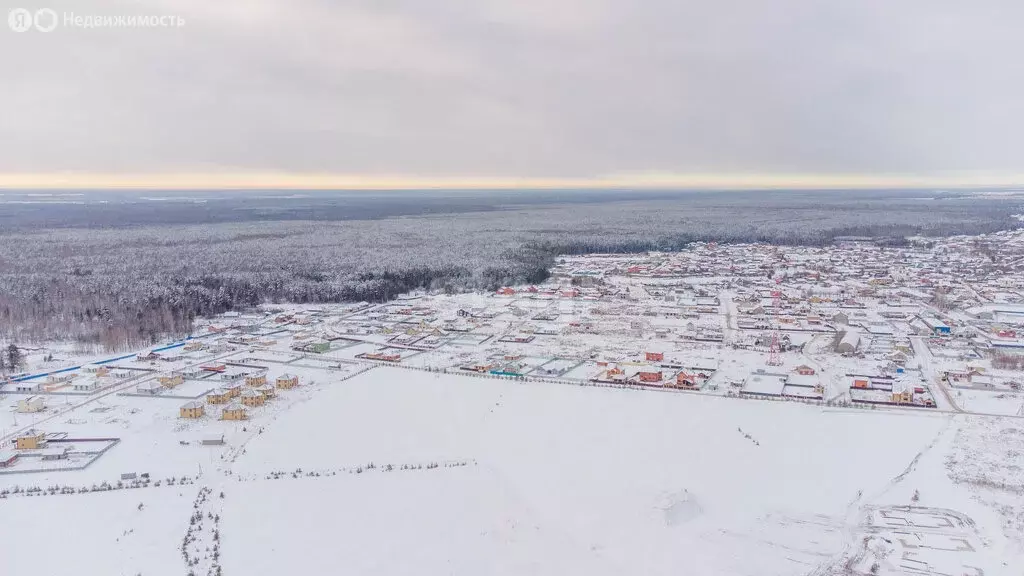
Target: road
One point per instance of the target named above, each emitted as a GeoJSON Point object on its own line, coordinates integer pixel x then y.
{"type": "Point", "coordinates": [924, 356]}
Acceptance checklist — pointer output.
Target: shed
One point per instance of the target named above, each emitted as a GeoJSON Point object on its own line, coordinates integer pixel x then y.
{"type": "Point", "coordinates": [213, 440]}
{"type": "Point", "coordinates": [55, 453]}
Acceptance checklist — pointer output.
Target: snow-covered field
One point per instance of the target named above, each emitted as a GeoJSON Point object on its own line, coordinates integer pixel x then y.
{"type": "Point", "coordinates": [99, 534]}
{"type": "Point", "coordinates": [410, 471]}
{"type": "Point", "coordinates": [605, 481]}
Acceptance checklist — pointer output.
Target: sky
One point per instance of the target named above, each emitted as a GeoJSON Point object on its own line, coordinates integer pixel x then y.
{"type": "Point", "coordinates": [517, 90]}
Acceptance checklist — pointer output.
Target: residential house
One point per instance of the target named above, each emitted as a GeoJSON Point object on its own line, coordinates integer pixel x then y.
{"type": "Point", "coordinates": [654, 356]}
{"type": "Point", "coordinates": [902, 390]}
{"type": "Point", "coordinates": [805, 370]}
{"type": "Point", "coordinates": [170, 380]}
{"type": "Point", "coordinates": [60, 378]}
{"type": "Point", "coordinates": [193, 409]}
{"type": "Point", "coordinates": [30, 440]}
{"type": "Point", "coordinates": [689, 380]}
{"type": "Point", "coordinates": [252, 398]}
{"type": "Point", "coordinates": [218, 396]}
{"type": "Point", "coordinates": [650, 375]}
{"type": "Point", "coordinates": [234, 412]}
{"type": "Point", "coordinates": [31, 404]}
{"type": "Point", "coordinates": [98, 369]}
{"type": "Point", "coordinates": [30, 386]}
{"type": "Point", "coordinates": [256, 379]}
{"type": "Point", "coordinates": [87, 385]}
{"type": "Point", "coordinates": [232, 376]}
{"type": "Point", "coordinates": [286, 381]}
{"type": "Point", "coordinates": [191, 372]}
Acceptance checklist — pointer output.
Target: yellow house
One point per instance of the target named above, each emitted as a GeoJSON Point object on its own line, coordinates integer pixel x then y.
{"type": "Point", "coordinates": [31, 440]}
{"type": "Point", "coordinates": [233, 390]}
{"type": "Point", "coordinates": [286, 381]}
{"type": "Point", "coordinates": [192, 409]}
{"type": "Point", "coordinates": [170, 380]}
{"type": "Point", "coordinates": [267, 391]}
{"type": "Point", "coordinates": [253, 398]}
{"type": "Point", "coordinates": [219, 396]}
{"type": "Point", "coordinates": [234, 412]}
{"type": "Point", "coordinates": [255, 380]}
{"type": "Point", "coordinates": [904, 397]}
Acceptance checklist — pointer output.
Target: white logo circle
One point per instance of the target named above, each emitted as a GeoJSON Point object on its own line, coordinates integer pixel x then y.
{"type": "Point", "coordinates": [45, 20]}
{"type": "Point", "coordinates": [20, 20]}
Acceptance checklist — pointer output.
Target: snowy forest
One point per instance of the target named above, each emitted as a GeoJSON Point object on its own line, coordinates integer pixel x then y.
{"type": "Point", "coordinates": [130, 283]}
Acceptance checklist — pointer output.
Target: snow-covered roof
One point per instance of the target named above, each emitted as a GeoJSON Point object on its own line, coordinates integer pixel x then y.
{"type": "Point", "coordinates": [850, 338]}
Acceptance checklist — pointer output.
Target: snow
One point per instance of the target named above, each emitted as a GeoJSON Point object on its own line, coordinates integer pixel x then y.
{"type": "Point", "coordinates": [559, 464]}
{"type": "Point", "coordinates": [99, 534]}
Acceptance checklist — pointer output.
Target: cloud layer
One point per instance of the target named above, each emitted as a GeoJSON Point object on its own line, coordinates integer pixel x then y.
{"type": "Point", "coordinates": [559, 88]}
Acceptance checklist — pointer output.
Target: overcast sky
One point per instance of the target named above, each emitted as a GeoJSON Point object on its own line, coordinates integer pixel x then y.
{"type": "Point", "coordinates": [520, 87]}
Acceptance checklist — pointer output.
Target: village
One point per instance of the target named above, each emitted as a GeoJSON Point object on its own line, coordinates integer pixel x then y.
{"type": "Point", "coordinates": [928, 326]}
{"type": "Point", "coordinates": [915, 334]}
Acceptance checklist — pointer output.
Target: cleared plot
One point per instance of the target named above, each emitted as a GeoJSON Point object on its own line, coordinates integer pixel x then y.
{"type": "Point", "coordinates": [620, 481]}
{"type": "Point", "coordinates": [99, 534]}
{"type": "Point", "coordinates": [990, 402]}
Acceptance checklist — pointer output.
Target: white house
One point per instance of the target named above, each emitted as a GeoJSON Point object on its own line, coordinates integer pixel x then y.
{"type": "Point", "coordinates": [31, 404]}
{"type": "Point", "coordinates": [87, 385]}
{"type": "Point", "coordinates": [60, 378]}
{"type": "Point", "coordinates": [29, 386]}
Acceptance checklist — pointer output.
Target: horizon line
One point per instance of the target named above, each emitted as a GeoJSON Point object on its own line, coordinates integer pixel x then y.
{"type": "Point", "coordinates": [651, 181]}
